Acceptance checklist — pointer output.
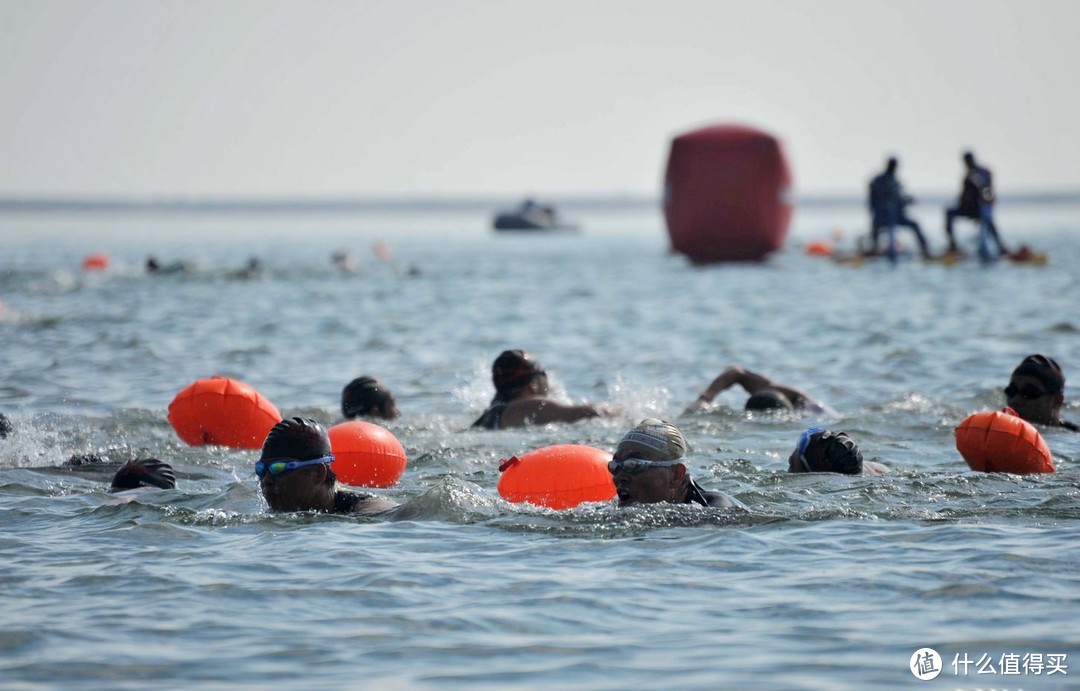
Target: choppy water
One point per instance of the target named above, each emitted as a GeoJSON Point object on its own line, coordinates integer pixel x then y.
{"type": "Point", "coordinates": [829, 582]}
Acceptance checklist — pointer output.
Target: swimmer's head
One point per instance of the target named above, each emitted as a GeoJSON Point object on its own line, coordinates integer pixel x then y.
{"type": "Point", "coordinates": [652, 439]}
{"type": "Point", "coordinates": [297, 439]}
{"type": "Point", "coordinates": [822, 451]}
{"type": "Point", "coordinates": [301, 487]}
{"type": "Point", "coordinates": [367, 396]}
{"type": "Point", "coordinates": [144, 472]}
{"type": "Point", "coordinates": [513, 371]}
{"type": "Point", "coordinates": [1036, 390]}
{"type": "Point", "coordinates": [769, 399]}
{"type": "Point", "coordinates": [5, 426]}
{"type": "Point", "coordinates": [647, 466]}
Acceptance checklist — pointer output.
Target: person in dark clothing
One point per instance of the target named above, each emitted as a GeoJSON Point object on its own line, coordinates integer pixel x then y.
{"type": "Point", "coordinates": [521, 396]}
{"type": "Point", "coordinates": [648, 468]}
{"type": "Point", "coordinates": [1036, 391]}
{"type": "Point", "coordinates": [888, 205]}
{"type": "Point", "coordinates": [294, 472]}
{"type": "Point", "coordinates": [976, 203]}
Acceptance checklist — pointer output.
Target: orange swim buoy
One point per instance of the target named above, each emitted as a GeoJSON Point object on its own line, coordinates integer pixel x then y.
{"type": "Point", "coordinates": [819, 249]}
{"type": "Point", "coordinates": [558, 477]}
{"type": "Point", "coordinates": [96, 262]}
{"type": "Point", "coordinates": [222, 411]}
{"type": "Point", "coordinates": [1002, 442]}
{"type": "Point", "coordinates": [365, 454]}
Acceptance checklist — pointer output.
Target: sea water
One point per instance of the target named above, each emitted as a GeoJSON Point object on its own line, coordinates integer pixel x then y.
{"type": "Point", "coordinates": [828, 582]}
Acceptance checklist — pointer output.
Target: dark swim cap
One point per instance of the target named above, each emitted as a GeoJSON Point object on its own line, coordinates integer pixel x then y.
{"type": "Point", "coordinates": [5, 426]}
{"type": "Point", "coordinates": [513, 370]}
{"type": "Point", "coordinates": [364, 396]}
{"type": "Point", "coordinates": [769, 399]}
{"type": "Point", "coordinates": [839, 452]}
{"type": "Point", "coordinates": [296, 438]}
{"type": "Point", "coordinates": [144, 472]}
{"type": "Point", "coordinates": [1043, 368]}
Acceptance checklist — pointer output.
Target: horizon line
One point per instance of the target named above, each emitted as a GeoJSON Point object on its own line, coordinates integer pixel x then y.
{"type": "Point", "coordinates": [431, 202]}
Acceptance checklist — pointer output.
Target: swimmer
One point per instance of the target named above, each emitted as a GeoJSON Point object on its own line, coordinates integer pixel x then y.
{"type": "Point", "coordinates": [765, 394]}
{"type": "Point", "coordinates": [521, 396]}
{"type": "Point", "coordinates": [368, 397]}
{"type": "Point", "coordinates": [648, 468]}
{"type": "Point", "coordinates": [144, 472]}
{"type": "Point", "coordinates": [821, 451]}
{"type": "Point", "coordinates": [1036, 391]}
{"type": "Point", "coordinates": [6, 427]}
{"type": "Point", "coordinates": [153, 266]}
{"type": "Point", "coordinates": [294, 473]}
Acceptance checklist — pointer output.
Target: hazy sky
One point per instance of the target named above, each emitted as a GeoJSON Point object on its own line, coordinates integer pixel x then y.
{"type": "Point", "coordinates": [477, 97]}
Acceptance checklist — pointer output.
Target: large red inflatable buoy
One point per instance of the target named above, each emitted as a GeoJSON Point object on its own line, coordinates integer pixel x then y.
{"type": "Point", "coordinates": [222, 411]}
{"type": "Point", "coordinates": [1002, 442]}
{"type": "Point", "coordinates": [365, 454]}
{"type": "Point", "coordinates": [727, 194]}
{"type": "Point", "coordinates": [558, 477]}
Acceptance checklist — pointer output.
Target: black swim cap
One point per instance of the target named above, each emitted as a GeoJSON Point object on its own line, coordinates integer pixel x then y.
{"type": "Point", "coordinates": [364, 396]}
{"type": "Point", "coordinates": [839, 453]}
{"type": "Point", "coordinates": [513, 370]}
{"type": "Point", "coordinates": [1043, 368]}
{"type": "Point", "coordinates": [769, 399]}
{"type": "Point", "coordinates": [5, 426]}
{"type": "Point", "coordinates": [144, 472]}
{"type": "Point", "coordinates": [296, 438]}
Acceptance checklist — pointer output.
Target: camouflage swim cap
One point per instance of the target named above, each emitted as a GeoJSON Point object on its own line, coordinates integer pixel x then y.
{"type": "Point", "coordinates": [657, 439]}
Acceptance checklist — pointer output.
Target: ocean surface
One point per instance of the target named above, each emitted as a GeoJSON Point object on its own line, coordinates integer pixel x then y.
{"type": "Point", "coordinates": [829, 582]}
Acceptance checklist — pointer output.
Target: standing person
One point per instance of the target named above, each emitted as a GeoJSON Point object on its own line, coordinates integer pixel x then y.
{"type": "Point", "coordinates": [294, 473]}
{"type": "Point", "coordinates": [1036, 391]}
{"type": "Point", "coordinates": [887, 209]}
{"type": "Point", "coordinates": [648, 467]}
{"type": "Point", "coordinates": [976, 203]}
{"type": "Point", "coordinates": [521, 396]}
{"type": "Point", "coordinates": [368, 397]}
{"type": "Point", "coordinates": [765, 394]}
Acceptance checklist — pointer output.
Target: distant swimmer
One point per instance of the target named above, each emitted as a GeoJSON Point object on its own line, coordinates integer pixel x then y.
{"type": "Point", "coordinates": [649, 467]}
{"type": "Point", "coordinates": [366, 396]}
{"type": "Point", "coordinates": [888, 204]}
{"type": "Point", "coordinates": [6, 427]}
{"type": "Point", "coordinates": [343, 261]}
{"type": "Point", "coordinates": [521, 396]}
{"type": "Point", "coordinates": [1036, 391]}
{"type": "Point", "coordinates": [144, 472]}
{"type": "Point", "coordinates": [294, 473]}
{"type": "Point", "coordinates": [153, 266]}
{"type": "Point", "coordinates": [976, 203]}
{"type": "Point", "coordinates": [765, 394]}
{"type": "Point", "coordinates": [822, 451]}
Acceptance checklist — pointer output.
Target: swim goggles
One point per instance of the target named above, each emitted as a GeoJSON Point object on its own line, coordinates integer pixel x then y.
{"type": "Point", "coordinates": [638, 465]}
{"type": "Point", "coordinates": [1029, 393]}
{"type": "Point", "coordinates": [276, 468]}
{"type": "Point", "coordinates": [804, 441]}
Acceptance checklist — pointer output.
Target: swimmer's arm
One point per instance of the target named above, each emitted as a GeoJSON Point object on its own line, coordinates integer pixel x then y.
{"type": "Point", "coordinates": [552, 411]}
{"type": "Point", "coordinates": [752, 382]}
